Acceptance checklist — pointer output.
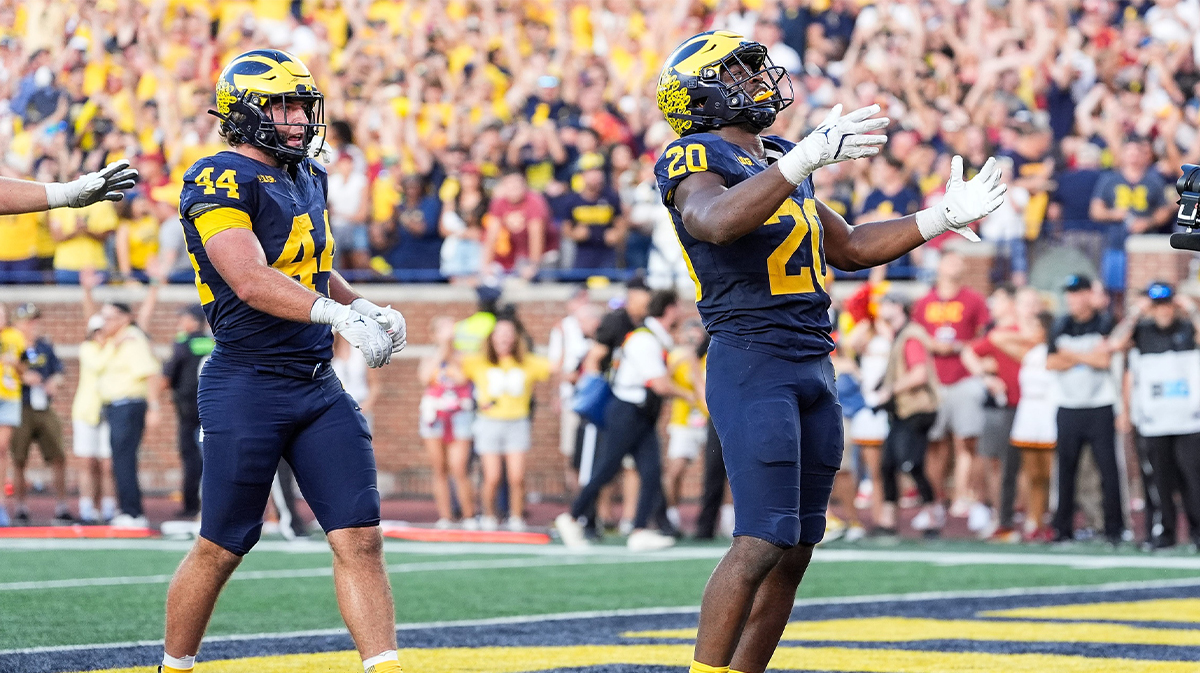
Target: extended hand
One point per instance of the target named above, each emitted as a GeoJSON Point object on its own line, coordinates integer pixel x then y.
{"type": "Point", "coordinates": [368, 336]}
{"type": "Point", "coordinates": [103, 185]}
{"type": "Point", "coordinates": [388, 318]}
{"type": "Point", "coordinates": [837, 139]}
{"type": "Point", "coordinates": [965, 202]}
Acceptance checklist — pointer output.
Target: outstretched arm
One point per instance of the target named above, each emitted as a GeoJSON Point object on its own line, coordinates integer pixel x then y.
{"type": "Point", "coordinates": [24, 196]}
{"type": "Point", "coordinates": [877, 243]}
{"type": "Point", "coordinates": [713, 213]}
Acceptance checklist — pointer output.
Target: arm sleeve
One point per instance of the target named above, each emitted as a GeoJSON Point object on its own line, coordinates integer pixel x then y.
{"type": "Point", "coordinates": [1105, 189]}
{"type": "Point", "coordinates": [217, 195]}
{"type": "Point", "coordinates": [914, 353]}
{"type": "Point", "coordinates": [643, 352]}
{"type": "Point", "coordinates": [698, 153]}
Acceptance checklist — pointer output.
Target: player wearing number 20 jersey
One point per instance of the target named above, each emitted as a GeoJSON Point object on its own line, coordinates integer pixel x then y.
{"type": "Point", "coordinates": [286, 211]}
{"type": "Point", "coordinates": [759, 245]}
{"type": "Point", "coordinates": [764, 292]}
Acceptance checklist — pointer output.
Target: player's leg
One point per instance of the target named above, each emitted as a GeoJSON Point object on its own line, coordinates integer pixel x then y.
{"type": "Point", "coordinates": [192, 595]}
{"type": "Point", "coordinates": [247, 418]}
{"type": "Point", "coordinates": [334, 466]}
{"type": "Point", "coordinates": [364, 593]}
{"type": "Point", "coordinates": [752, 399]}
{"type": "Point", "coordinates": [821, 448]}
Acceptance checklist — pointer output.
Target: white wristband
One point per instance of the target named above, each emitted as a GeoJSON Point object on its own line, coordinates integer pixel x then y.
{"type": "Point", "coordinates": [324, 311]}
{"type": "Point", "coordinates": [56, 195]}
{"type": "Point", "coordinates": [932, 222]}
{"type": "Point", "coordinates": [363, 306]}
{"type": "Point", "coordinates": [795, 165]}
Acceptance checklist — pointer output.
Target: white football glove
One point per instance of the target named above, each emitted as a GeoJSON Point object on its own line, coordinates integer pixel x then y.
{"type": "Point", "coordinates": [388, 318]}
{"type": "Point", "coordinates": [103, 185]}
{"type": "Point", "coordinates": [837, 139]}
{"type": "Point", "coordinates": [965, 202]}
{"type": "Point", "coordinates": [364, 334]}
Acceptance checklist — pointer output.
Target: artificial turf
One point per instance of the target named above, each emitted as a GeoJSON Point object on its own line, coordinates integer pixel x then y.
{"type": "Point", "coordinates": [107, 614]}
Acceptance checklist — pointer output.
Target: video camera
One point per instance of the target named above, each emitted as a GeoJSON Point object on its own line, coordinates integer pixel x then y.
{"type": "Point", "coordinates": [1189, 202]}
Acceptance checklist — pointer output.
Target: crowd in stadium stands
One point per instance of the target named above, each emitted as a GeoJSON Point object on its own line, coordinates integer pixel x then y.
{"type": "Point", "coordinates": [478, 140]}
{"type": "Point", "coordinates": [485, 138]}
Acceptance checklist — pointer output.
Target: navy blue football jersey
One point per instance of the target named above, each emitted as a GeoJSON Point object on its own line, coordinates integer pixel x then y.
{"type": "Point", "coordinates": [287, 214]}
{"type": "Point", "coordinates": [766, 290]}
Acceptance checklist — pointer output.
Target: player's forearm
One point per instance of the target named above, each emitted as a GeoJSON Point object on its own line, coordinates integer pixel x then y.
{"type": "Point", "coordinates": [724, 216]}
{"type": "Point", "coordinates": [266, 289]}
{"type": "Point", "coordinates": [340, 290]}
{"type": "Point", "coordinates": [876, 243]}
{"type": "Point", "coordinates": [22, 196]}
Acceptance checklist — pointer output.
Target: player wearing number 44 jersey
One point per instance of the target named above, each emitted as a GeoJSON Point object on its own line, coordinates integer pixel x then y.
{"type": "Point", "coordinates": [759, 245]}
{"type": "Point", "coordinates": [258, 236]}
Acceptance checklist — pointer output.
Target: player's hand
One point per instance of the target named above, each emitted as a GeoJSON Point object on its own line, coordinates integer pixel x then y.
{"type": "Point", "coordinates": [391, 320]}
{"type": "Point", "coordinates": [363, 333]}
{"type": "Point", "coordinates": [838, 138]}
{"type": "Point", "coordinates": [965, 202]}
{"type": "Point", "coordinates": [103, 185]}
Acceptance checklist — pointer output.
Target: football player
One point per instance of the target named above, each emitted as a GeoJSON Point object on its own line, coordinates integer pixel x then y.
{"type": "Point", "coordinates": [258, 237]}
{"type": "Point", "coordinates": [27, 196]}
{"type": "Point", "coordinates": [758, 244]}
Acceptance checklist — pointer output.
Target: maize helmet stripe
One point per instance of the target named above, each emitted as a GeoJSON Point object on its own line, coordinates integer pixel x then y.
{"type": "Point", "coordinates": [716, 47]}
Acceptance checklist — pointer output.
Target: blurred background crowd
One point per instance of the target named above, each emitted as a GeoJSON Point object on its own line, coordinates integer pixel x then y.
{"type": "Point", "coordinates": [483, 138]}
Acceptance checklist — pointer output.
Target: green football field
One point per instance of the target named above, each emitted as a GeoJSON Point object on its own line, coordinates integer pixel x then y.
{"type": "Point", "coordinates": [73, 593]}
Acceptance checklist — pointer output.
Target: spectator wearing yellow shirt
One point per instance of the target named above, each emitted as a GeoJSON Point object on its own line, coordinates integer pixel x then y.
{"type": "Point", "coordinates": [12, 345]}
{"type": "Point", "coordinates": [504, 376]}
{"type": "Point", "coordinates": [124, 381]}
{"type": "Point", "coordinates": [90, 432]}
{"type": "Point", "coordinates": [137, 240]}
{"type": "Point", "coordinates": [19, 248]}
{"type": "Point", "coordinates": [687, 429]}
{"type": "Point", "coordinates": [81, 235]}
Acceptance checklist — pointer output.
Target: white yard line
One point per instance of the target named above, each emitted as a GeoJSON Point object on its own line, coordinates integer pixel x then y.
{"type": "Point", "coordinates": [634, 612]}
{"type": "Point", "coordinates": [398, 568]}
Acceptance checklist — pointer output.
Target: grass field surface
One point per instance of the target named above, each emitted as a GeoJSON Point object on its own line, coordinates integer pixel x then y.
{"type": "Point", "coordinates": [59, 598]}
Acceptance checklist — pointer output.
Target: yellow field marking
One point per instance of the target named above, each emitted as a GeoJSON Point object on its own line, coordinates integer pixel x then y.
{"type": "Point", "coordinates": [1159, 610]}
{"type": "Point", "coordinates": [902, 629]}
{"type": "Point", "coordinates": [525, 659]}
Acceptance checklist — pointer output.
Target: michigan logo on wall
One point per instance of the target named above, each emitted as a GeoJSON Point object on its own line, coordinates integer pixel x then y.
{"type": "Point", "coordinates": [1127, 631]}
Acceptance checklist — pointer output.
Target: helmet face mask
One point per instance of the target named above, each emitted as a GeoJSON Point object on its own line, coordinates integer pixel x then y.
{"type": "Point", "coordinates": [721, 79]}
{"type": "Point", "coordinates": [254, 94]}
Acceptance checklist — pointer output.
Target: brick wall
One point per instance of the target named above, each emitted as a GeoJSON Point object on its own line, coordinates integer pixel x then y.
{"type": "Point", "coordinates": [403, 468]}
{"type": "Point", "coordinates": [1151, 258]}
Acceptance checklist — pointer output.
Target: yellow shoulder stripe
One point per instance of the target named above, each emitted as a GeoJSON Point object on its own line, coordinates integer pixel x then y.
{"type": "Point", "coordinates": [219, 219]}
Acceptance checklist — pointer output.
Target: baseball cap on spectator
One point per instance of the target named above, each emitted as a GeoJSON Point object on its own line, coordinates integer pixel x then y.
{"type": "Point", "coordinates": [1077, 283]}
{"type": "Point", "coordinates": [27, 311]}
{"type": "Point", "coordinates": [1160, 293]}
{"type": "Point", "coordinates": [547, 81]}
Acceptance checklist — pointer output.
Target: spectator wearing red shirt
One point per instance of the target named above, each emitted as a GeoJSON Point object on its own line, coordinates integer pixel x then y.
{"type": "Point", "coordinates": [516, 236]}
{"type": "Point", "coordinates": [953, 316]}
{"type": "Point", "coordinates": [999, 370]}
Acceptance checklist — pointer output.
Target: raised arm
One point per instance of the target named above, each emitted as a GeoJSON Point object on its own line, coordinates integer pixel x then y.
{"type": "Point", "coordinates": [25, 196]}
{"type": "Point", "coordinates": [877, 243]}
{"type": "Point", "coordinates": [716, 214]}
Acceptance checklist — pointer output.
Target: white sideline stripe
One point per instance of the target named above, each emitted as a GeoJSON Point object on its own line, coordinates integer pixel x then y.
{"type": "Point", "coordinates": [635, 612]}
{"type": "Point", "coordinates": [327, 571]}
{"type": "Point", "coordinates": [822, 555]}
